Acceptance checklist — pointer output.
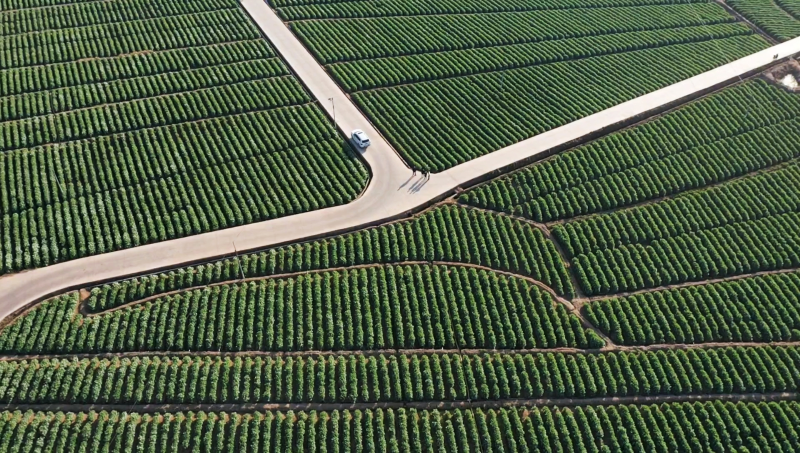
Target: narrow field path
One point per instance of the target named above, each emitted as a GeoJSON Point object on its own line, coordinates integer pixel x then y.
{"type": "Point", "coordinates": [398, 351]}
{"type": "Point", "coordinates": [744, 20]}
{"type": "Point", "coordinates": [392, 192]}
{"type": "Point", "coordinates": [560, 402]}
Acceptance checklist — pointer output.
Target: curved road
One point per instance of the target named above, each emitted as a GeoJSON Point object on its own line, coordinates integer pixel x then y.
{"type": "Point", "coordinates": [391, 193]}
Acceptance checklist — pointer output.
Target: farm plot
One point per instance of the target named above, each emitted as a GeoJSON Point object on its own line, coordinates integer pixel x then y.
{"type": "Point", "coordinates": [444, 234]}
{"type": "Point", "coordinates": [743, 427]}
{"type": "Point", "coordinates": [745, 139]}
{"type": "Point", "coordinates": [491, 286]}
{"type": "Point", "coordinates": [397, 377]}
{"type": "Point", "coordinates": [758, 309]}
{"type": "Point", "coordinates": [134, 121]}
{"type": "Point", "coordinates": [446, 81]}
{"type": "Point", "coordinates": [716, 234]}
{"type": "Point", "coordinates": [739, 130]}
{"type": "Point", "coordinates": [778, 18]}
{"type": "Point", "coordinates": [449, 331]}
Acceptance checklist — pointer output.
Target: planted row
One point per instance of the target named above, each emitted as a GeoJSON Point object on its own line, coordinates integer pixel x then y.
{"type": "Point", "coordinates": [675, 427]}
{"type": "Point", "coordinates": [102, 70]}
{"type": "Point", "coordinates": [356, 39]}
{"type": "Point", "coordinates": [394, 378]}
{"type": "Point", "coordinates": [741, 129]}
{"type": "Point", "coordinates": [751, 198]}
{"type": "Point", "coordinates": [436, 125]}
{"type": "Point", "coordinates": [759, 245]}
{"type": "Point", "coordinates": [291, 10]}
{"type": "Point", "coordinates": [777, 18]}
{"type": "Point", "coordinates": [759, 309]}
{"type": "Point", "coordinates": [385, 72]}
{"type": "Point", "coordinates": [368, 308]}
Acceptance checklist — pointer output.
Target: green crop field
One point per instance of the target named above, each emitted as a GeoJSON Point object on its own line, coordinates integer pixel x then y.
{"type": "Point", "coordinates": [745, 140]}
{"type": "Point", "coordinates": [740, 427]}
{"type": "Point", "coordinates": [128, 122]}
{"type": "Point", "coordinates": [449, 81]}
{"type": "Point", "coordinates": [755, 309]}
{"type": "Point", "coordinates": [779, 18]}
{"type": "Point", "coordinates": [636, 293]}
{"type": "Point", "coordinates": [472, 325]}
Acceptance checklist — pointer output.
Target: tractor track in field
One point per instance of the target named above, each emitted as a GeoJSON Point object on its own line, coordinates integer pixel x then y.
{"type": "Point", "coordinates": [747, 22]}
{"type": "Point", "coordinates": [452, 404]}
{"type": "Point", "coordinates": [451, 350]}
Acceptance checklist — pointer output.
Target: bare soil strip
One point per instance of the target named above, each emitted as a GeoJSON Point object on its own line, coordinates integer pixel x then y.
{"type": "Point", "coordinates": [442, 405]}
{"type": "Point", "coordinates": [398, 351]}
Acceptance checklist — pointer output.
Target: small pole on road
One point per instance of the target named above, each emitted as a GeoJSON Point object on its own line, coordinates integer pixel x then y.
{"type": "Point", "coordinates": [333, 107]}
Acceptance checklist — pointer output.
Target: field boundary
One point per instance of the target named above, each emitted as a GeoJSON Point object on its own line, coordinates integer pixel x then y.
{"type": "Point", "coordinates": [439, 404]}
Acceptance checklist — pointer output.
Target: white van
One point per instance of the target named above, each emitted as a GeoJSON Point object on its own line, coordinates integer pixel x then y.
{"type": "Point", "coordinates": [360, 138]}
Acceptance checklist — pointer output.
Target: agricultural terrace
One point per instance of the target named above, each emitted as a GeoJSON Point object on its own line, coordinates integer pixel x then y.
{"type": "Point", "coordinates": [468, 326]}
{"type": "Point", "coordinates": [778, 18]}
{"type": "Point", "coordinates": [741, 427]}
{"type": "Point", "coordinates": [128, 122]}
{"type": "Point", "coordinates": [447, 81]}
{"type": "Point", "coordinates": [673, 228]}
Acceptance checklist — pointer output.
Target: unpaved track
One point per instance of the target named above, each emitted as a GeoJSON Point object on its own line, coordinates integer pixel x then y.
{"type": "Point", "coordinates": [559, 402]}
{"type": "Point", "coordinates": [397, 351]}
{"type": "Point", "coordinates": [392, 192]}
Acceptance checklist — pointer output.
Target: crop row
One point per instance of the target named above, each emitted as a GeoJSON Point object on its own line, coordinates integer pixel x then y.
{"type": "Point", "coordinates": [356, 39]}
{"type": "Point", "coordinates": [367, 308]}
{"type": "Point", "coordinates": [385, 72]}
{"type": "Point", "coordinates": [12, 5]}
{"type": "Point", "coordinates": [768, 16]}
{"type": "Point", "coordinates": [153, 112]}
{"type": "Point", "coordinates": [397, 377]}
{"type": "Point", "coordinates": [24, 106]}
{"type": "Point", "coordinates": [83, 14]}
{"type": "Point", "coordinates": [740, 129]}
{"type": "Point", "coordinates": [675, 428]}
{"type": "Point", "coordinates": [103, 70]}
{"type": "Point", "coordinates": [291, 11]}
{"type": "Point", "coordinates": [762, 309]}
{"type": "Point", "coordinates": [101, 41]}
{"type": "Point", "coordinates": [436, 125]}
{"type": "Point", "coordinates": [447, 234]}
{"type": "Point", "coordinates": [790, 6]}
{"type": "Point", "coordinates": [766, 244]}
{"type": "Point", "coordinates": [35, 178]}
{"type": "Point", "coordinates": [193, 202]}
{"type": "Point", "coordinates": [751, 198]}
{"type": "Point", "coordinates": [693, 169]}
